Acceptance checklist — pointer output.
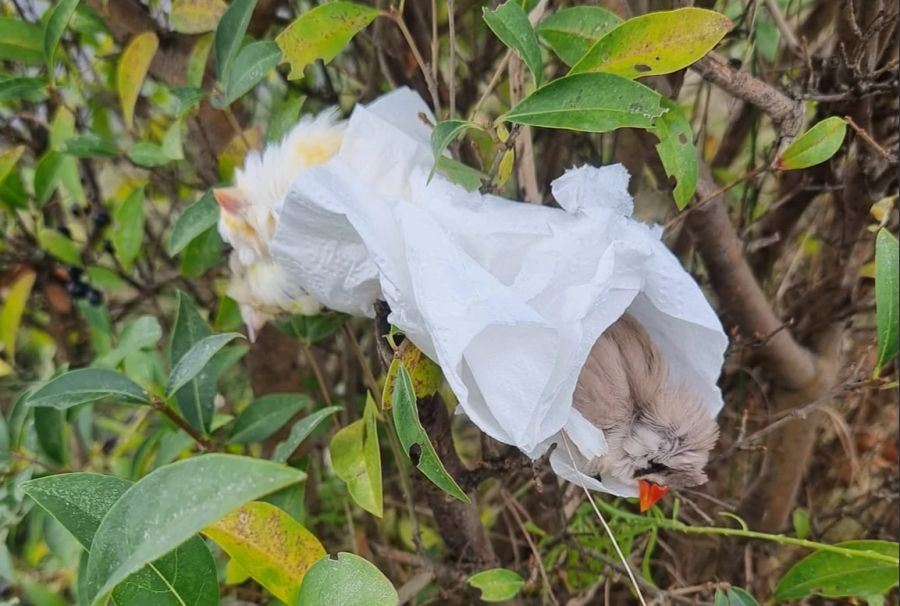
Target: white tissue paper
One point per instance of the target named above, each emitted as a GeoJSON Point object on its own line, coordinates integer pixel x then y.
{"type": "Point", "coordinates": [507, 297]}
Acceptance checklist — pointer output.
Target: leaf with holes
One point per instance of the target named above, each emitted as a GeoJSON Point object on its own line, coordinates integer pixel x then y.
{"type": "Point", "coordinates": [426, 375]}
{"type": "Point", "coordinates": [589, 102]}
{"type": "Point", "coordinates": [321, 33]}
{"type": "Point", "coordinates": [131, 71]}
{"type": "Point", "coordinates": [269, 545]}
{"type": "Point", "coordinates": [79, 501]}
{"type": "Point", "coordinates": [677, 152]}
{"type": "Point", "coordinates": [356, 458]}
{"type": "Point", "coordinates": [510, 23]}
{"type": "Point", "coordinates": [497, 584]}
{"type": "Point", "coordinates": [833, 575]}
{"type": "Point", "coordinates": [887, 295]}
{"type": "Point", "coordinates": [815, 146]}
{"type": "Point", "coordinates": [571, 32]}
{"type": "Point", "coordinates": [655, 43]}
{"type": "Point", "coordinates": [348, 580]}
{"type": "Point", "coordinates": [415, 441]}
{"type": "Point", "coordinates": [87, 385]}
{"type": "Point", "coordinates": [170, 505]}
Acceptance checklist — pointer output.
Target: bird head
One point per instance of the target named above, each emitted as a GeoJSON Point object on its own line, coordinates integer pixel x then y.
{"type": "Point", "coordinates": [658, 434]}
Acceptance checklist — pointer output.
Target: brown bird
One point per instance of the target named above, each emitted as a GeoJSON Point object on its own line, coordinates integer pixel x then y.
{"type": "Point", "coordinates": [658, 434]}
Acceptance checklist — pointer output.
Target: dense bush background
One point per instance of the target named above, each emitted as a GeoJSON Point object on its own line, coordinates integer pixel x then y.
{"type": "Point", "coordinates": [110, 259]}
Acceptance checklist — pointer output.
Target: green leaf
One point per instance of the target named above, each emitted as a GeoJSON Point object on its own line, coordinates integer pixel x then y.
{"type": "Point", "coordinates": [459, 173]}
{"type": "Point", "coordinates": [571, 32]}
{"type": "Point", "coordinates": [321, 33]}
{"type": "Point", "coordinates": [415, 441]}
{"type": "Point", "coordinates": [56, 25]}
{"type": "Point", "coordinates": [312, 329]}
{"type": "Point", "coordinates": [196, 63]}
{"type": "Point", "coordinates": [139, 333]}
{"type": "Point", "coordinates": [887, 295]}
{"type": "Point", "coordinates": [193, 221]}
{"type": "Point", "coordinates": [171, 142]}
{"type": "Point", "coordinates": [171, 504]}
{"type": "Point", "coordinates": [230, 33]}
{"type": "Point", "coordinates": [589, 102]}
{"type": "Point", "coordinates": [195, 16]}
{"type": "Point", "coordinates": [8, 160]}
{"type": "Point", "coordinates": [656, 43]}
{"type": "Point", "coordinates": [196, 358]}
{"type": "Point", "coordinates": [815, 146]}
{"type": "Point", "coordinates": [833, 575]}
{"type": "Point", "coordinates": [348, 580]}
{"type": "Point", "coordinates": [128, 228]}
{"type": "Point", "coordinates": [300, 431]}
{"type": "Point", "coordinates": [79, 501]}
{"type": "Point", "coordinates": [266, 415]}
{"type": "Point", "coordinates": [13, 308]}
{"type": "Point", "coordinates": [87, 385]}
{"type": "Point", "coordinates": [357, 459]}
{"type": "Point", "coordinates": [196, 400]}
{"type": "Point", "coordinates": [739, 597]}
{"type": "Point", "coordinates": [444, 134]}
{"type": "Point", "coordinates": [510, 23]}
{"type": "Point", "coordinates": [272, 547]}
{"type": "Point", "coordinates": [250, 66]}
{"type": "Point", "coordinates": [285, 114]}
{"type": "Point", "coordinates": [46, 176]}
{"type": "Point", "coordinates": [131, 71]}
{"type": "Point", "coordinates": [497, 584]}
{"type": "Point", "coordinates": [204, 252]}
{"type": "Point", "coordinates": [50, 430]}
{"type": "Point", "coordinates": [21, 41]}
{"type": "Point", "coordinates": [89, 146]}
{"type": "Point", "coordinates": [677, 152]}
{"type": "Point", "coordinates": [59, 246]}
{"type": "Point", "coordinates": [18, 89]}
{"type": "Point", "coordinates": [148, 155]}
{"type": "Point", "coordinates": [188, 97]}
{"type": "Point", "coordinates": [801, 522]}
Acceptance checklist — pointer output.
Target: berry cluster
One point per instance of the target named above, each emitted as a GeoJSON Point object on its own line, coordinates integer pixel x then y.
{"type": "Point", "coordinates": [78, 289]}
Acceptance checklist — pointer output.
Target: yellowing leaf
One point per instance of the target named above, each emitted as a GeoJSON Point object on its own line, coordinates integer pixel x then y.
{"type": "Point", "coordinates": [507, 162]}
{"type": "Point", "coordinates": [8, 159]}
{"type": "Point", "coordinates": [235, 574]}
{"type": "Point", "coordinates": [132, 69]}
{"type": "Point", "coordinates": [196, 16]}
{"type": "Point", "coordinates": [814, 146]}
{"type": "Point", "coordinates": [5, 369]}
{"type": "Point", "coordinates": [233, 154]}
{"type": "Point", "coordinates": [656, 43]}
{"type": "Point", "coordinates": [357, 459]}
{"type": "Point", "coordinates": [426, 375]}
{"type": "Point", "coordinates": [13, 307]}
{"type": "Point", "coordinates": [269, 545]}
{"type": "Point", "coordinates": [321, 33]}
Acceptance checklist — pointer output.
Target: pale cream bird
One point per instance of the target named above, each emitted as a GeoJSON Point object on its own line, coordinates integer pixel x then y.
{"type": "Point", "coordinates": [249, 216]}
{"type": "Point", "coordinates": [658, 434]}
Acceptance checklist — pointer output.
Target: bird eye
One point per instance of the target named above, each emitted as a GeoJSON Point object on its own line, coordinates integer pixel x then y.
{"type": "Point", "coordinates": [652, 468]}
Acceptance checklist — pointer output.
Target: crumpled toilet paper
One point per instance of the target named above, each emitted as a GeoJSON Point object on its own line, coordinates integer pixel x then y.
{"type": "Point", "coordinates": [507, 297]}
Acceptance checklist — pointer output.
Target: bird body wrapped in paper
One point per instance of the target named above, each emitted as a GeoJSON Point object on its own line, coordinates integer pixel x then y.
{"type": "Point", "coordinates": [249, 216]}
{"type": "Point", "coordinates": [572, 326]}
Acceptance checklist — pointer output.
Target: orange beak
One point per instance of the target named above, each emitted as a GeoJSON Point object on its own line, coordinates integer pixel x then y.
{"type": "Point", "coordinates": [650, 493]}
{"type": "Point", "coordinates": [229, 198]}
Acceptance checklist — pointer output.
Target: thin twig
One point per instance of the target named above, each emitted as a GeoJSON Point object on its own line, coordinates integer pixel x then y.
{"type": "Point", "coordinates": [451, 78]}
{"type": "Point", "coordinates": [865, 136]}
{"type": "Point", "coordinates": [170, 414]}
{"type": "Point", "coordinates": [397, 17]}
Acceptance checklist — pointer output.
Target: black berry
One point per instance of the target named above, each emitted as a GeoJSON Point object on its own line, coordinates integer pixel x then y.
{"type": "Point", "coordinates": [76, 210]}
{"type": "Point", "coordinates": [78, 290]}
{"type": "Point", "coordinates": [64, 230]}
{"type": "Point", "coordinates": [101, 218]}
{"type": "Point", "coordinates": [75, 273]}
{"type": "Point", "coordinates": [108, 247]}
{"type": "Point", "coordinates": [94, 296]}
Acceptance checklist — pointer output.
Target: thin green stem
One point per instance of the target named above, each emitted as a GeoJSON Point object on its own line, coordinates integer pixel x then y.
{"type": "Point", "coordinates": [676, 526]}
